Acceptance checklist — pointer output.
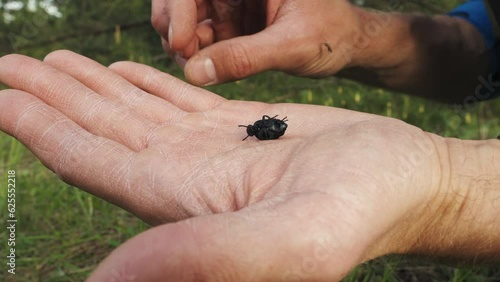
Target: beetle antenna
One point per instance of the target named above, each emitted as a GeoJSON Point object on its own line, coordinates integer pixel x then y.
{"type": "Point", "coordinates": [242, 125]}
{"type": "Point", "coordinates": [245, 138]}
{"type": "Point", "coordinates": [284, 119]}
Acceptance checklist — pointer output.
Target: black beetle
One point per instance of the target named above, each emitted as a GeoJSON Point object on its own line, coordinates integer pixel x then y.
{"type": "Point", "coordinates": [267, 128]}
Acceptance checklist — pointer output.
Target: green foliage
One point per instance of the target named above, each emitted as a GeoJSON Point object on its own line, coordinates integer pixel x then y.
{"type": "Point", "coordinates": [64, 233]}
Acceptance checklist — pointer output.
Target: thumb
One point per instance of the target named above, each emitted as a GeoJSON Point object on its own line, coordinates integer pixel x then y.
{"type": "Point", "coordinates": [239, 246]}
{"type": "Point", "coordinates": [238, 58]}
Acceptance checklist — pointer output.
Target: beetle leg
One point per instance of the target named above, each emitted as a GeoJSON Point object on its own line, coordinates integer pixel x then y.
{"type": "Point", "coordinates": [268, 117]}
{"type": "Point", "coordinates": [245, 138]}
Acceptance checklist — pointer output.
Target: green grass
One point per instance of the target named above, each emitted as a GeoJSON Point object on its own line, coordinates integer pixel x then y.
{"type": "Point", "coordinates": [64, 233]}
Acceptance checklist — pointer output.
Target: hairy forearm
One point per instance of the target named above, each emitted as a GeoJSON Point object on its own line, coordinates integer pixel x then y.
{"type": "Point", "coordinates": [462, 222]}
{"type": "Point", "coordinates": [438, 57]}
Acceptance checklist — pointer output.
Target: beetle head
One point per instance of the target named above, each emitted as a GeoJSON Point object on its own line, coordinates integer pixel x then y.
{"type": "Point", "coordinates": [251, 130]}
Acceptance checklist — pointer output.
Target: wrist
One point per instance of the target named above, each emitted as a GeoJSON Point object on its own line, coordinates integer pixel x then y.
{"type": "Point", "coordinates": [461, 221]}
{"type": "Point", "coordinates": [437, 57]}
{"type": "Point", "coordinates": [382, 40]}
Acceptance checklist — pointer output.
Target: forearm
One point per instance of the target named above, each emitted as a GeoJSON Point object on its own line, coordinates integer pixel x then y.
{"type": "Point", "coordinates": [436, 57]}
{"type": "Point", "coordinates": [463, 219]}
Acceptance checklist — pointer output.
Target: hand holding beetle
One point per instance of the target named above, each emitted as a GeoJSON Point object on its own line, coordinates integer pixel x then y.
{"type": "Point", "coordinates": [339, 188]}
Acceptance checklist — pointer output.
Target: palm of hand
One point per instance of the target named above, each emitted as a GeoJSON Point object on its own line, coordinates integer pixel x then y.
{"type": "Point", "coordinates": [182, 156]}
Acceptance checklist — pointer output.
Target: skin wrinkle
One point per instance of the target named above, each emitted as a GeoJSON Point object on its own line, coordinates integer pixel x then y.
{"type": "Point", "coordinates": [53, 126]}
{"type": "Point", "coordinates": [144, 197]}
{"type": "Point", "coordinates": [79, 173]}
{"type": "Point", "coordinates": [238, 61]}
{"type": "Point", "coordinates": [200, 171]}
{"type": "Point", "coordinates": [237, 189]}
{"type": "Point", "coordinates": [87, 116]}
{"type": "Point", "coordinates": [438, 198]}
{"type": "Point", "coordinates": [72, 88]}
{"type": "Point", "coordinates": [25, 113]}
{"type": "Point", "coordinates": [215, 201]}
{"type": "Point", "coordinates": [32, 141]}
{"type": "Point", "coordinates": [204, 170]}
{"type": "Point", "coordinates": [156, 195]}
{"type": "Point", "coordinates": [174, 116]}
{"type": "Point", "coordinates": [90, 73]}
{"type": "Point", "coordinates": [183, 95]}
{"type": "Point", "coordinates": [251, 194]}
{"type": "Point", "coordinates": [137, 99]}
{"type": "Point", "coordinates": [101, 142]}
{"type": "Point", "coordinates": [142, 142]}
{"type": "Point", "coordinates": [134, 96]}
{"type": "Point", "coordinates": [37, 78]}
{"type": "Point", "coordinates": [214, 129]}
{"type": "Point", "coordinates": [102, 125]}
{"type": "Point", "coordinates": [67, 143]}
{"type": "Point", "coordinates": [116, 83]}
{"type": "Point", "coordinates": [18, 75]}
{"type": "Point", "coordinates": [172, 199]}
{"type": "Point", "coordinates": [150, 134]}
{"type": "Point", "coordinates": [119, 172]}
{"type": "Point", "coordinates": [111, 82]}
{"type": "Point", "coordinates": [52, 96]}
{"type": "Point", "coordinates": [152, 79]}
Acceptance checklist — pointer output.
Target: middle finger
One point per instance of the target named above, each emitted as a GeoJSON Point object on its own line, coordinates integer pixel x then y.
{"type": "Point", "coordinates": [111, 85]}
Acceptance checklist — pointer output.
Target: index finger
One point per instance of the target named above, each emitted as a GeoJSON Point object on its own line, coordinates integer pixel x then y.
{"type": "Point", "coordinates": [176, 20]}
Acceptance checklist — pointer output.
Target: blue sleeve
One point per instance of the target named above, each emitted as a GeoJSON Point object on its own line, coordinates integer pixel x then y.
{"type": "Point", "coordinates": [475, 12]}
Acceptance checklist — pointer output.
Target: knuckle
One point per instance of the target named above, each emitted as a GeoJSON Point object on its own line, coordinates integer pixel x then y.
{"type": "Point", "coordinates": [155, 20]}
{"type": "Point", "coordinates": [159, 18]}
{"type": "Point", "coordinates": [240, 63]}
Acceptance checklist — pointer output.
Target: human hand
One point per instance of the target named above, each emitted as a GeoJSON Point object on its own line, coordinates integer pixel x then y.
{"type": "Point", "coordinates": [339, 188]}
{"type": "Point", "coordinates": [229, 40]}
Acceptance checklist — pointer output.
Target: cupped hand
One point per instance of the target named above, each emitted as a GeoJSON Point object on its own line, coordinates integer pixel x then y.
{"type": "Point", "coordinates": [339, 188]}
{"type": "Point", "coordinates": [229, 40]}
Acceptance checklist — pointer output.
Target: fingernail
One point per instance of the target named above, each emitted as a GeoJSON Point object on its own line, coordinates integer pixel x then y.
{"type": "Point", "coordinates": [180, 60]}
{"type": "Point", "coordinates": [170, 35]}
{"type": "Point", "coordinates": [202, 71]}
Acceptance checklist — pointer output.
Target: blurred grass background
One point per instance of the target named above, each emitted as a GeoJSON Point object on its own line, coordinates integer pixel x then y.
{"type": "Point", "coordinates": [63, 233]}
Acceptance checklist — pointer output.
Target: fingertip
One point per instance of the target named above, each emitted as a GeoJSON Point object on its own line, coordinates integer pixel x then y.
{"type": "Point", "coordinates": [117, 65]}
{"type": "Point", "coordinates": [180, 61]}
{"type": "Point", "coordinates": [13, 67]}
{"type": "Point", "coordinates": [8, 57]}
{"type": "Point", "coordinates": [12, 103]}
{"type": "Point", "coordinates": [205, 33]}
{"type": "Point", "coordinates": [58, 54]}
{"type": "Point", "coordinates": [7, 61]}
{"type": "Point", "coordinates": [182, 24]}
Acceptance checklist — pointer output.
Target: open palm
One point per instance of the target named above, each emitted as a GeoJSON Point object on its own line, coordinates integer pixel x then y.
{"type": "Point", "coordinates": [310, 205]}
